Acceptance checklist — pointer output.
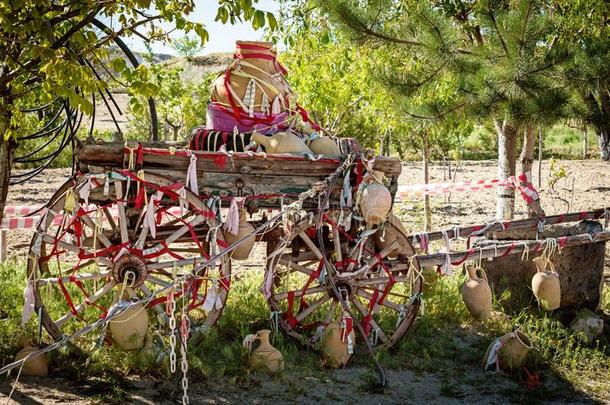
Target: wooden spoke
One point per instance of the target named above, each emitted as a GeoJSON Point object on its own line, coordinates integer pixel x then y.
{"type": "Point", "coordinates": [76, 277]}
{"type": "Point", "coordinates": [296, 267]}
{"type": "Point", "coordinates": [182, 230]}
{"type": "Point", "coordinates": [73, 248]}
{"type": "Point", "coordinates": [364, 282]}
{"type": "Point", "coordinates": [109, 218]}
{"type": "Point", "coordinates": [297, 294]}
{"type": "Point", "coordinates": [364, 313]}
{"type": "Point", "coordinates": [331, 312]}
{"type": "Point", "coordinates": [92, 298]}
{"type": "Point", "coordinates": [118, 186]}
{"type": "Point", "coordinates": [311, 308]}
{"type": "Point", "coordinates": [392, 293]}
{"type": "Point", "coordinates": [385, 303]}
{"type": "Point", "coordinates": [100, 235]}
{"type": "Point", "coordinates": [312, 247]}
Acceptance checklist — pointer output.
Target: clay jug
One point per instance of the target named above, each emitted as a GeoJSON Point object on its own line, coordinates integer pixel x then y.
{"type": "Point", "coordinates": [375, 201]}
{"type": "Point", "coordinates": [129, 328]}
{"type": "Point", "coordinates": [242, 251]}
{"type": "Point", "coordinates": [392, 231]}
{"type": "Point", "coordinates": [325, 146]}
{"type": "Point", "coordinates": [476, 293]}
{"type": "Point", "coordinates": [514, 349]}
{"type": "Point", "coordinates": [282, 142]}
{"type": "Point", "coordinates": [256, 62]}
{"type": "Point", "coordinates": [263, 356]}
{"type": "Point", "coordinates": [335, 350]}
{"type": "Point", "coordinates": [35, 366]}
{"type": "Point", "coordinates": [545, 284]}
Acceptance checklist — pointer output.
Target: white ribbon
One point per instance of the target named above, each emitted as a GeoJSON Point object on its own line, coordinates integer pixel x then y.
{"type": "Point", "coordinates": [191, 175]}
{"type": "Point", "coordinates": [212, 299]}
{"type": "Point", "coordinates": [492, 357]}
{"type": "Point", "coordinates": [346, 193]}
{"type": "Point", "coordinates": [85, 191]}
{"type": "Point", "coordinates": [28, 304]}
{"type": "Point", "coordinates": [446, 267]}
{"type": "Point", "coordinates": [182, 201]}
{"type": "Point", "coordinates": [232, 222]}
{"type": "Point", "coordinates": [149, 218]}
{"type": "Point", "coordinates": [267, 284]}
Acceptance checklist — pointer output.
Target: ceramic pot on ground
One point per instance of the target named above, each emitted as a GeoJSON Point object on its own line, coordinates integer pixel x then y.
{"type": "Point", "coordinates": [263, 356]}
{"type": "Point", "coordinates": [36, 366]}
{"type": "Point", "coordinates": [282, 142]}
{"type": "Point", "coordinates": [545, 284]}
{"type": "Point", "coordinates": [335, 350]}
{"type": "Point", "coordinates": [129, 328]}
{"type": "Point", "coordinates": [241, 252]}
{"type": "Point", "coordinates": [514, 349]}
{"type": "Point", "coordinates": [476, 293]}
{"type": "Point", "coordinates": [375, 200]}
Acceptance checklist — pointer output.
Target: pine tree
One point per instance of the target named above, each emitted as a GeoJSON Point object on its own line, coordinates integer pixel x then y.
{"type": "Point", "coordinates": [489, 60]}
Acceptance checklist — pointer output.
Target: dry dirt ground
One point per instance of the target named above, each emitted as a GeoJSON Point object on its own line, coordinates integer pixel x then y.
{"type": "Point", "coordinates": [586, 186]}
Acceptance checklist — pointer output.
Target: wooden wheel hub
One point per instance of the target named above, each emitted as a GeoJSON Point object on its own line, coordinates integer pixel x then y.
{"type": "Point", "coordinates": [344, 289]}
{"type": "Point", "coordinates": [129, 267]}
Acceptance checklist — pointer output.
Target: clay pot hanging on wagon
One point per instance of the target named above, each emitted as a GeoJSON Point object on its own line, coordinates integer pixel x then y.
{"type": "Point", "coordinates": [375, 200]}
{"type": "Point", "coordinates": [546, 285]}
{"type": "Point", "coordinates": [129, 328]}
{"type": "Point", "coordinates": [35, 366]}
{"type": "Point", "coordinates": [390, 234]}
{"type": "Point", "coordinates": [338, 343]}
{"type": "Point", "coordinates": [241, 252]}
{"type": "Point", "coordinates": [253, 87]}
{"type": "Point", "coordinates": [476, 293]}
{"type": "Point", "coordinates": [263, 356]}
{"type": "Point", "coordinates": [282, 142]}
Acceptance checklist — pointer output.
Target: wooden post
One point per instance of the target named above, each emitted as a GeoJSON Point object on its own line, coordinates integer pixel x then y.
{"type": "Point", "coordinates": [539, 158]}
{"type": "Point", "coordinates": [2, 246]}
{"type": "Point", "coordinates": [426, 162]}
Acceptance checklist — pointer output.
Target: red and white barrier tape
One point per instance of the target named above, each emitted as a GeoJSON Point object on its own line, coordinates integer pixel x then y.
{"type": "Point", "coordinates": [523, 183]}
{"type": "Point", "coordinates": [31, 221]}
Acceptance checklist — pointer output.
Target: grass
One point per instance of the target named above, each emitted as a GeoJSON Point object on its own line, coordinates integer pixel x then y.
{"type": "Point", "coordinates": [443, 341]}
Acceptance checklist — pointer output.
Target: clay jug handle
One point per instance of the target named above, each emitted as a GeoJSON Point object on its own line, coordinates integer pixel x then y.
{"type": "Point", "coordinates": [249, 342]}
{"type": "Point", "coordinates": [540, 263]}
{"type": "Point", "coordinates": [551, 266]}
{"type": "Point", "coordinates": [482, 272]}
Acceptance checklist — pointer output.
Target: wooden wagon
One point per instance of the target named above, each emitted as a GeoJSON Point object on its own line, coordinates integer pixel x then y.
{"type": "Point", "coordinates": [146, 221]}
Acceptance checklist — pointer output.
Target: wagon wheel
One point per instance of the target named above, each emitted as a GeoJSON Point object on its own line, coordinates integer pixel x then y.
{"type": "Point", "coordinates": [383, 296]}
{"type": "Point", "coordinates": [94, 239]}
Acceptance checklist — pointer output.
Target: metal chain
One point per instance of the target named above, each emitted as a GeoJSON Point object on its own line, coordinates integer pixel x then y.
{"type": "Point", "coordinates": [185, 329]}
{"type": "Point", "coordinates": [170, 307]}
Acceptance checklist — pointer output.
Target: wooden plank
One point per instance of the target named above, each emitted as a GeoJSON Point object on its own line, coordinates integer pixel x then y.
{"type": "Point", "coordinates": [504, 249]}
{"type": "Point", "coordinates": [111, 154]}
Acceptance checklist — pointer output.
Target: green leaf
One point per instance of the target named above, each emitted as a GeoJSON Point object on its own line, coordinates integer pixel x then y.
{"type": "Point", "coordinates": [119, 64]}
{"type": "Point", "coordinates": [258, 21]}
{"type": "Point", "coordinates": [271, 21]}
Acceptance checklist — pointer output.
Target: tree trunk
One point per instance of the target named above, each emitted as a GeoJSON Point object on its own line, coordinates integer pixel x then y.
{"type": "Point", "coordinates": [7, 151]}
{"type": "Point", "coordinates": [526, 159]}
{"type": "Point", "coordinates": [599, 112]}
{"type": "Point", "coordinates": [585, 143]}
{"type": "Point", "coordinates": [507, 145]}
{"type": "Point", "coordinates": [426, 163]}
